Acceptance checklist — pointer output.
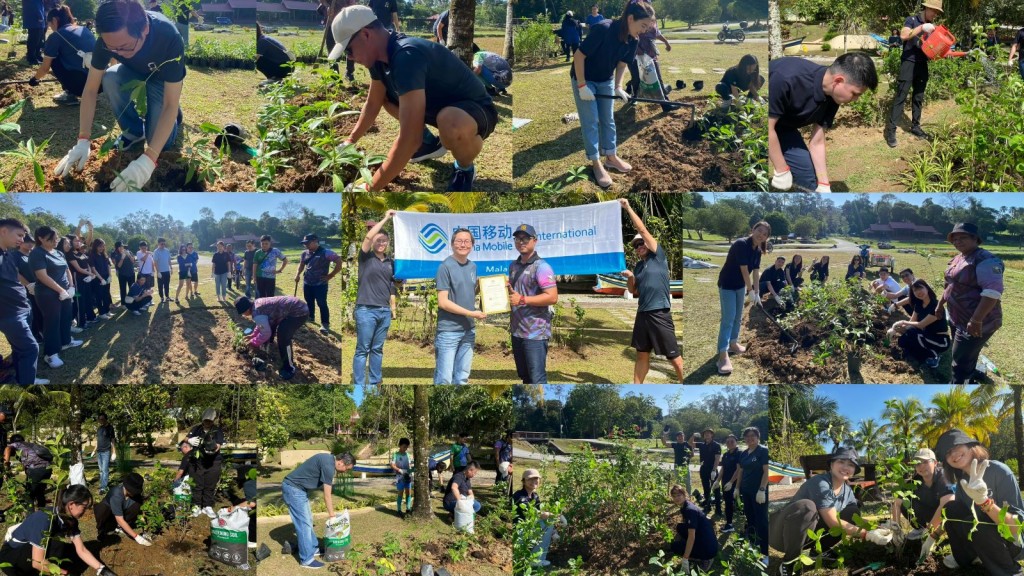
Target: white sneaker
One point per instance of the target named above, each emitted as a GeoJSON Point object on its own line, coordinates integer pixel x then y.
{"type": "Point", "coordinates": [950, 562]}
{"type": "Point", "coordinates": [76, 330]}
{"type": "Point", "coordinates": [73, 344]}
{"type": "Point", "coordinates": [136, 312]}
{"type": "Point", "coordinates": [209, 512]}
{"type": "Point", "coordinates": [196, 511]}
{"type": "Point", "coordinates": [41, 382]}
{"type": "Point", "coordinates": [106, 316]}
{"type": "Point", "coordinates": [54, 361]}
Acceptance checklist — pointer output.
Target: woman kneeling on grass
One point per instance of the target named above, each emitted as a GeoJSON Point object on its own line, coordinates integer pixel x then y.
{"type": "Point", "coordinates": [925, 337]}
{"type": "Point", "coordinates": [597, 70]}
{"type": "Point", "coordinates": [695, 535]}
{"type": "Point", "coordinates": [855, 269]}
{"type": "Point", "coordinates": [983, 488]}
{"type": "Point", "coordinates": [738, 277]}
{"type": "Point", "coordinates": [40, 537]}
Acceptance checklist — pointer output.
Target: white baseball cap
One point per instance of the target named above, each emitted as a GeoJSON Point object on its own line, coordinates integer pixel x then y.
{"type": "Point", "coordinates": [345, 25]}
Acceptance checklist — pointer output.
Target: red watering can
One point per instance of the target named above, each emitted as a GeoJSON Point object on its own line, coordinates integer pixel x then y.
{"type": "Point", "coordinates": [938, 44]}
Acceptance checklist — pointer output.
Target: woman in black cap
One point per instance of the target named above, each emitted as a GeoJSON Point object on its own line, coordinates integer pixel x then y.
{"type": "Point", "coordinates": [279, 316]}
{"type": "Point", "coordinates": [825, 501]}
{"type": "Point", "coordinates": [971, 299]}
{"type": "Point", "coordinates": [206, 438]}
{"type": "Point", "coordinates": [925, 337]}
{"type": "Point", "coordinates": [983, 488]}
{"type": "Point", "coordinates": [931, 494]}
{"type": "Point", "coordinates": [120, 509]}
{"type": "Point", "coordinates": [41, 536]}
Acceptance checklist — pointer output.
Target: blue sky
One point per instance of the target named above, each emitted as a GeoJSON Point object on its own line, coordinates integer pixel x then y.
{"type": "Point", "coordinates": [861, 401]}
{"type": "Point", "coordinates": [991, 200]}
{"type": "Point", "coordinates": [658, 391]}
{"type": "Point", "coordinates": [184, 206]}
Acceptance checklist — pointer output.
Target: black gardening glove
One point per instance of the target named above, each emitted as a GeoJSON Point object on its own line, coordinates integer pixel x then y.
{"type": "Point", "coordinates": [104, 571]}
{"type": "Point", "coordinates": [33, 81]}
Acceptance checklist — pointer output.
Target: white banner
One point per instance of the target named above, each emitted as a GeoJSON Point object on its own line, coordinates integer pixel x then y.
{"type": "Point", "coordinates": [583, 239]}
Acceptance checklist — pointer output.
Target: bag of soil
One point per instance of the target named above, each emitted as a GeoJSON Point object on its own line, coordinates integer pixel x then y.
{"type": "Point", "coordinates": [338, 537]}
{"type": "Point", "coordinates": [229, 535]}
{"type": "Point", "coordinates": [464, 515]}
{"type": "Point", "coordinates": [183, 494]}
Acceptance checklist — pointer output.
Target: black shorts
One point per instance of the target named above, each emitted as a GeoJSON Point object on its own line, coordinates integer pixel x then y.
{"type": "Point", "coordinates": [486, 116]}
{"type": "Point", "coordinates": [654, 330]}
{"type": "Point", "coordinates": [195, 276]}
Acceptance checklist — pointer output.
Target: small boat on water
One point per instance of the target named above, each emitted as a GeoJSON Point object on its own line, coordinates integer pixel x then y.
{"type": "Point", "coordinates": [615, 284]}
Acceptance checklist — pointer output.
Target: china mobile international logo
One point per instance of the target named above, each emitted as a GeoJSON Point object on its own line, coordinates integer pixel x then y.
{"type": "Point", "coordinates": [432, 238]}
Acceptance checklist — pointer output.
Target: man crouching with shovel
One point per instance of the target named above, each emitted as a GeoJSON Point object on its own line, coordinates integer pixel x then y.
{"type": "Point", "coordinates": [418, 82]}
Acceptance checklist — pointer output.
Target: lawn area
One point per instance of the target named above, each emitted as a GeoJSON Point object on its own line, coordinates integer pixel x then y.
{"type": "Point", "coordinates": [547, 147]}
{"type": "Point", "coordinates": [191, 342]}
{"type": "Point", "coordinates": [701, 314]}
{"type": "Point", "coordinates": [606, 356]}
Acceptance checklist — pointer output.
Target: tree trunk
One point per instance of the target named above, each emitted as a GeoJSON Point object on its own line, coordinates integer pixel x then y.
{"type": "Point", "coordinates": [1018, 430]}
{"type": "Point", "coordinates": [774, 30]}
{"type": "Point", "coordinates": [421, 452]}
{"type": "Point", "coordinates": [461, 27]}
{"type": "Point", "coordinates": [74, 441]}
{"type": "Point", "coordinates": [509, 52]}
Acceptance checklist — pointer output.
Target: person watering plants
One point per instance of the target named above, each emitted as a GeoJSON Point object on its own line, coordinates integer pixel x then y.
{"type": "Point", "coordinates": [148, 48]}
{"type": "Point", "coordinates": [751, 481]}
{"type": "Point", "coordinates": [597, 70]}
{"type": "Point", "coordinates": [119, 511]}
{"type": "Point", "coordinates": [931, 494]}
{"type": "Point", "coordinates": [825, 501]}
{"type": "Point", "coordinates": [971, 298]}
{"type": "Point", "coordinates": [314, 474]}
{"type": "Point", "coordinates": [42, 536]}
{"type": "Point", "coordinates": [984, 487]}
{"type": "Point", "coordinates": [913, 75]}
{"type": "Point", "coordinates": [925, 337]}
{"type": "Point", "coordinates": [207, 438]}
{"type": "Point", "coordinates": [63, 54]}
{"type": "Point", "coordinates": [802, 93]}
{"type": "Point", "coordinates": [277, 317]}
{"type": "Point", "coordinates": [420, 83]}
{"type": "Point", "coordinates": [653, 327]}
{"type": "Point", "coordinates": [695, 536]}
{"type": "Point", "coordinates": [738, 277]}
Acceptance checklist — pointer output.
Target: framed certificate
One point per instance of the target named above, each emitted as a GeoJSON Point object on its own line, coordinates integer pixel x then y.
{"type": "Point", "coordinates": [494, 294]}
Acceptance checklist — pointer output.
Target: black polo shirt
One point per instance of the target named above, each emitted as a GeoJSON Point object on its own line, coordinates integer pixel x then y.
{"type": "Point", "coordinates": [741, 253]}
{"type": "Point", "coordinates": [682, 451]}
{"type": "Point", "coordinates": [1019, 41]}
{"type": "Point", "coordinates": [730, 462]}
{"type": "Point", "coordinates": [912, 48]}
{"type": "Point", "coordinates": [795, 94]}
{"type": "Point", "coordinates": [603, 51]}
{"type": "Point", "coordinates": [776, 277]}
{"type": "Point", "coordinates": [708, 451]}
{"type": "Point", "coordinates": [13, 296]}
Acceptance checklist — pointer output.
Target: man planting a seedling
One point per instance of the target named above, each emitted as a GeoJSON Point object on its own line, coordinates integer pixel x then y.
{"type": "Point", "coordinates": [15, 309]}
{"type": "Point", "coordinates": [683, 452]}
{"type": "Point", "coordinates": [119, 511]}
{"type": "Point", "coordinates": [207, 438]}
{"type": "Point", "coordinates": [314, 474]}
{"type": "Point", "coordinates": [971, 299]}
{"type": "Point", "coordinates": [418, 82]}
{"type": "Point", "coordinates": [931, 494]}
{"type": "Point", "coordinates": [533, 292]}
{"type": "Point", "coordinates": [825, 501]}
{"type": "Point", "coordinates": [802, 93]}
{"type": "Point", "coordinates": [144, 88]}
{"type": "Point", "coordinates": [653, 329]}
{"type": "Point", "coordinates": [774, 280]}
{"type": "Point", "coordinates": [402, 467]}
{"type": "Point", "coordinates": [280, 317]}
{"type": "Point", "coordinates": [913, 75]}
{"type": "Point", "coordinates": [104, 452]}
{"type": "Point", "coordinates": [316, 262]}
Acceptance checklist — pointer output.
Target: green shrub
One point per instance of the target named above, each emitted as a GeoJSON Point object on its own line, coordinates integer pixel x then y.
{"type": "Point", "coordinates": [829, 35]}
{"type": "Point", "coordinates": [534, 43]}
{"type": "Point", "coordinates": [826, 47]}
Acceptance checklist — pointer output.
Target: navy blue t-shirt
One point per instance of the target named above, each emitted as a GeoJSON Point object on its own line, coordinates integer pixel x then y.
{"type": "Point", "coordinates": [33, 14]}
{"type": "Point", "coordinates": [101, 263]}
{"type": "Point", "coordinates": [730, 462]}
{"type": "Point", "coordinates": [752, 464]}
{"type": "Point", "coordinates": [741, 253]}
{"type": "Point", "coordinates": [604, 51]}
{"type": "Point", "coordinates": [796, 96]}
{"type": "Point", "coordinates": [383, 9]}
{"type": "Point", "coordinates": [24, 268]}
{"type": "Point", "coordinates": [162, 56]}
{"type": "Point", "coordinates": [705, 542]}
{"type": "Point", "coordinates": [652, 281]}
{"type": "Point", "coordinates": [54, 264]}
{"type": "Point", "coordinates": [64, 44]}
{"type": "Point", "coordinates": [418, 64]}
{"type": "Point", "coordinates": [40, 525]}
{"type": "Point", "coordinates": [13, 296]}
{"type": "Point", "coordinates": [272, 51]}
{"type": "Point", "coordinates": [708, 451]}
{"type": "Point", "coordinates": [1019, 41]}
{"type": "Point", "coordinates": [912, 48]}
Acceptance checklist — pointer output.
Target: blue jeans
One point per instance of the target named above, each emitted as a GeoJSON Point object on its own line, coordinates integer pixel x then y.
{"type": "Point", "coordinates": [798, 158]}
{"type": "Point", "coordinates": [597, 119]}
{"type": "Point", "coordinates": [103, 461]}
{"type": "Point", "coordinates": [248, 283]}
{"type": "Point", "coordinates": [476, 506]}
{"type": "Point", "coordinates": [372, 323]}
{"type": "Point", "coordinates": [220, 282]}
{"type": "Point", "coordinates": [17, 328]}
{"type": "Point", "coordinates": [731, 302]}
{"type": "Point", "coordinates": [489, 79]}
{"type": "Point", "coordinates": [124, 109]}
{"type": "Point", "coordinates": [454, 356]}
{"type": "Point", "coordinates": [531, 360]}
{"type": "Point", "coordinates": [302, 517]}
{"type": "Point", "coordinates": [1020, 66]}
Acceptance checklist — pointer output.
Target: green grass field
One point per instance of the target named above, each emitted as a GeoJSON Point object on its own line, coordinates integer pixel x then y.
{"type": "Point", "coordinates": [701, 311]}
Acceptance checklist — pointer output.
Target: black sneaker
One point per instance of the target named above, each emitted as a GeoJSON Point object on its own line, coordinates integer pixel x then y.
{"type": "Point", "coordinates": [728, 528]}
{"type": "Point", "coordinates": [920, 133]}
{"type": "Point", "coordinates": [286, 548]}
{"type": "Point", "coordinates": [890, 136]}
{"type": "Point", "coordinates": [350, 78]}
{"type": "Point", "coordinates": [429, 151]}
{"type": "Point", "coordinates": [462, 180]}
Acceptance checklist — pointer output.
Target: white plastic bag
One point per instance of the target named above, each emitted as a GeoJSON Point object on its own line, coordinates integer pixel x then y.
{"type": "Point", "coordinates": [337, 537]}
{"type": "Point", "coordinates": [77, 475]}
{"type": "Point", "coordinates": [465, 515]}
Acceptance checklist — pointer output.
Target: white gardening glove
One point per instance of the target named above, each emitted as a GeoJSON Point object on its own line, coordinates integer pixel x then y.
{"type": "Point", "coordinates": [71, 292]}
{"type": "Point", "coordinates": [113, 457]}
{"type": "Point", "coordinates": [761, 497]}
{"type": "Point", "coordinates": [751, 296]}
{"type": "Point", "coordinates": [585, 94]}
{"type": "Point", "coordinates": [880, 536]}
{"type": "Point", "coordinates": [103, 281]}
{"type": "Point", "coordinates": [88, 278]}
{"type": "Point", "coordinates": [75, 159]}
{"type": "Point", "coordinates": [716, 484]}
{"type": "Point", "coordinates": [926, 549]}
{"type": "Point", "coordinates": [142, 540]}
{"type": "Point", "coordinates": [621, 94]}
{"type": "Point", "coordinates": [685, 566]}
{"type": "Point", "coordinates": [31, 288]}
{"type": "Point", "coordinates": [928, 27]}
{"type": "Point", "coordinates": [135, 176]}
{"type": "Point", "coordinates": [976, 487]}
{"type": "Point", "coordinates": [194, 442]}
{"type": "Point", "coordinates": [728, 486]}
{"type": "Point", "coordinates": [714, 476]}
{"type": "Point", "coordinates": [86, 59]}
{"type": "Point", "coordinates": [783, 180]}
{"type": "Point", "coordinates": [777, 299]}
{"type": "Point", "coordinates": [824, 188]}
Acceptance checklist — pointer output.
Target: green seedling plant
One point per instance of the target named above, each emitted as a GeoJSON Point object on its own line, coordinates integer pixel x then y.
{"type": "Point", "coordinates": [26, 153]}
{"type": "Point", "coordinates": [578, 328]}
{"type": "Point", "coordinates": [202, 162]}
{"type": "Point", "coordinates": [391, 546]}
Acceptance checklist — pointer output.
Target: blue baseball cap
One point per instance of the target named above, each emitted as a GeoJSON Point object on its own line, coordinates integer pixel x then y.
{"type": "Point", "coordinates": [525, 229]}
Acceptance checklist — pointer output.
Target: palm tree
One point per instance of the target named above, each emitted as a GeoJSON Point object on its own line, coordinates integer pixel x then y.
{"type": "Point", "coordinates": [32, 396]}
{"type": "Point", "coordinates": [904, 417]}
{"type": "Point", "coordinates": [868, 439]}
{"type": "Point", "coordinates": [976, 411]}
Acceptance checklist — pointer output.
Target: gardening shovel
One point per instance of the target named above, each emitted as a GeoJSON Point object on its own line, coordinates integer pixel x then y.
{"type": "Point", "coordinates": [296, 290]}
{"type": "Point", "coordinates": [666, 103]}
{"type": "Point", "coordinates": [796, 342]}
{"type": "Point", "coordinates": [13, 82]}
